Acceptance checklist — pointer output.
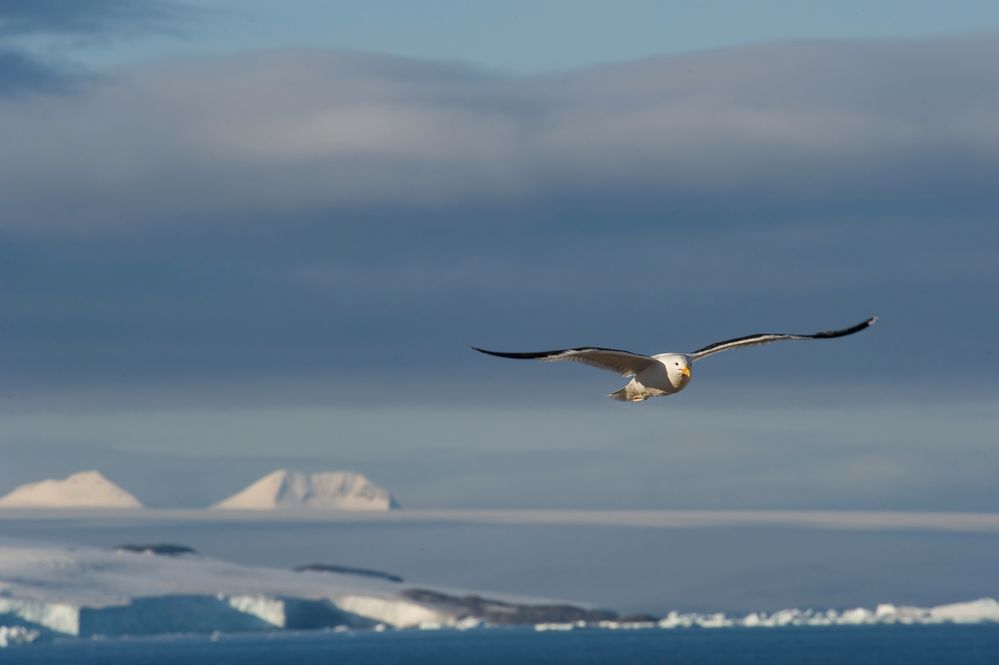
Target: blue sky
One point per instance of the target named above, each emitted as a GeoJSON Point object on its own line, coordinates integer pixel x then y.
{"type": "Point", "coordinates": [232, 236]}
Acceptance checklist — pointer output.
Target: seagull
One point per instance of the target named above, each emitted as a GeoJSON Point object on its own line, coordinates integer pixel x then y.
{"type": "Point", "coordinates": [663, 373]}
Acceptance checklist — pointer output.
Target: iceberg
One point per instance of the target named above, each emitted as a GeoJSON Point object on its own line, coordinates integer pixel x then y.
{"type": "Point", "coordinates": [10, 635]}
{"type": "Point", "coordinates": [984, 610]}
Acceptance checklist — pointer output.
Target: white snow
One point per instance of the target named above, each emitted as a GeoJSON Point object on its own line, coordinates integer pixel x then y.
{"type": "Point", "coordinates": [270, 610]}
{"type": "Point", "coordinates": [975, 611]}
{"type": "Point", "coordinates": [391, 611]}
{"type": "Point", "coordinates": [332, 490]}
{"type": "Point", "coordinates": [87, 489]}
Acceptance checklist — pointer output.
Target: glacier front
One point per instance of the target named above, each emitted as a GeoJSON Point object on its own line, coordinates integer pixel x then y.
{"type": "Point", "coordinates": [48, 591]}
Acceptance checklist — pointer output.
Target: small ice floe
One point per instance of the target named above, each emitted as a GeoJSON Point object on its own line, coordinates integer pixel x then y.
{"type": "Point", "coordinates": [543, 627]}
{"type": "Point", "coordinates": [431, 625]}
{"type": "Point", "coordinates": [11, 635]}
{"type": "Point", "coordinates": [626, 625]}
{"type": "Point", "coordinates": [985, 610]}
{"type": "Point", "coordinates": [469, 623]}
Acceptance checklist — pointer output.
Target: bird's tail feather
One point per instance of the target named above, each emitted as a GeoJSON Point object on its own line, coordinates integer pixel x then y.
{"type": "Point", "coordinates": [620, 395]}
{"type": "Point", "coordinates": [633, 392]}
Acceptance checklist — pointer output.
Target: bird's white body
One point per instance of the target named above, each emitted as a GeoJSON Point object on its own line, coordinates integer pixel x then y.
{"type": "Point", "coordinates": [665, 377]}
{"type": "Point", "coordinates": [663, 373]}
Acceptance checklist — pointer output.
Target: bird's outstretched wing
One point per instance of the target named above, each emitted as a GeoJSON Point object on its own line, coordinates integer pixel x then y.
{"type": "Point", "coordinates": [766, 338]}
{"type": "Point", "coordinates": [624, 363]}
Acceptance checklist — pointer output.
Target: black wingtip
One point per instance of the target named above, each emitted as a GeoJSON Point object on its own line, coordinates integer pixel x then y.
{"type": "Point", "coordinates": [516, 356]}
{"type": "Point", "coordinates": [487, 351]}
{"type": "Point", "coordinates": [863, 325]}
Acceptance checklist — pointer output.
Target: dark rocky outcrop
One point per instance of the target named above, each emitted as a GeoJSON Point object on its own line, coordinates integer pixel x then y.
{"type": "Point", "coordinates": [347, 570]}
{"type": "Point", "coordinates": [162, 549]}
{"type": "Point", "coordinates": [502, 613]}
{"type": "Point", "coordinates": [638, 618]}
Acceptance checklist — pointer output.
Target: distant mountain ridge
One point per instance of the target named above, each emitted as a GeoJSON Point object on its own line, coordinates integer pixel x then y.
{"type": "Point", "coordinates": [331, 490]}
{"type": "Point", "coordinates": [86, 489]}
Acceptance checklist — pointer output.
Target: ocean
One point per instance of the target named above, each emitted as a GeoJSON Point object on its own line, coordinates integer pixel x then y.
{"type": "Point", "coordinates": [838, 645]}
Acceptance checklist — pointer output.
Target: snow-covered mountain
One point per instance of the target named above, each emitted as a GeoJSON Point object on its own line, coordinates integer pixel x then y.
{"type": "Point", "coordinates": [332, 490]}
{"type": "Point", "coordinates": [87, 489]}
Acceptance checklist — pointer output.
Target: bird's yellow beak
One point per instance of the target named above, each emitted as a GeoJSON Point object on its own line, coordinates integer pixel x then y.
{"type": "Point", "coordinates": [686, 372]}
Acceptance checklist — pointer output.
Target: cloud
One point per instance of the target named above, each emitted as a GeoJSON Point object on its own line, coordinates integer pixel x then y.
{"type": "Point", "coordinates": [832, 126]}
{"type": "Point", "coordinates": [37, 31]}
{"type": "Point", "coordinates": [19, 73]}
{"type": "Point", "coordinates": [337, 218]}
{"type": "Point", "coordinates": [82, 17]}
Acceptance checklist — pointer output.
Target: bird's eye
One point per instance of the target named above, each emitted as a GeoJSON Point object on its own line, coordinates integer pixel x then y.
{"type": "Point", "coordinates": [677, 364]}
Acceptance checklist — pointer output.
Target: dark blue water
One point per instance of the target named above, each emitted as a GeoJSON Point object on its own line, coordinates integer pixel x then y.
{"type": "Point", "coordinates": [848, 645]}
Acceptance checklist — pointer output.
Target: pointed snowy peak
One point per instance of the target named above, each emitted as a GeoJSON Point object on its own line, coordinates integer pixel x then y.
{"type": "Point", "coordinates": [87, 489]}
{"type": "Point", "coordinates": [332, 490]}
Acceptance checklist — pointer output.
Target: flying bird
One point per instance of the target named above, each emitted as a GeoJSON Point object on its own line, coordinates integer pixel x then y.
{"type": "Point", "coordinates": [663, 373]}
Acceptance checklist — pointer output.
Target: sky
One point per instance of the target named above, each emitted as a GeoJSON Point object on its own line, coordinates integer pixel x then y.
{"type": "Point", "coordinates": [234, 238]}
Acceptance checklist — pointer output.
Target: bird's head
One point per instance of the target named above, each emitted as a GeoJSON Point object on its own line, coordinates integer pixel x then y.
{"type": "Point", "coordinates": [677, 368]}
